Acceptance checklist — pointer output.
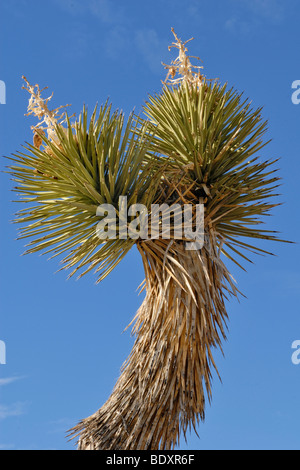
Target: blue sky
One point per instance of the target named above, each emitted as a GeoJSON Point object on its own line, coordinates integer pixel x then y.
{"type": "Point", "coordinates": [64, 339]}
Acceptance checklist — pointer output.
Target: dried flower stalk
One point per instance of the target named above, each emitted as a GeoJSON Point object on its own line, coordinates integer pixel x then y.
{"type": "Point", "coordinates": [49, 119]}
{"type": "Point", "coordinates": [182, 65]}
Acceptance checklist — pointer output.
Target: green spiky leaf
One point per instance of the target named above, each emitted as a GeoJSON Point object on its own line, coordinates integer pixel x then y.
{"type": "Point", "coordinates": [64, 184]}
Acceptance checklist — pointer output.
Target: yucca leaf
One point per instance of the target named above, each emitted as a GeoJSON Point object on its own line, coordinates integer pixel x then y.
{"type": "Point", "coordinates": [94, 163]}
{"type": "Point", "coordinates": [216, 131]}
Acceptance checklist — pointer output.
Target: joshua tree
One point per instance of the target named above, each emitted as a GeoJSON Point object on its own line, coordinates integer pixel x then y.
{"type": "Point", "coordinates": [197, 142]}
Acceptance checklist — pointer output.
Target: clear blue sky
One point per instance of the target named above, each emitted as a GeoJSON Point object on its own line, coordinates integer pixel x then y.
{"type": "Point", "coordinates": [64, 338]}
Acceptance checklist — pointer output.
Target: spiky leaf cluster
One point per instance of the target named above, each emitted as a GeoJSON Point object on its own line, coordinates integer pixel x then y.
{"type": "Point", "coordinates": [210, 138]}
{"type": "Point", "coordinates": [94, 163]}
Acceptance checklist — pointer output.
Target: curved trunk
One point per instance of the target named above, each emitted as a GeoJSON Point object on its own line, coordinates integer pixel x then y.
{"type": "Point", "coordinates": [161, 389]}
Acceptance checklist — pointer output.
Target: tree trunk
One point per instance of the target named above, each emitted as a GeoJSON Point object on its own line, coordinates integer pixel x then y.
{"type": "Point", "coordinates": [161, 389]}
